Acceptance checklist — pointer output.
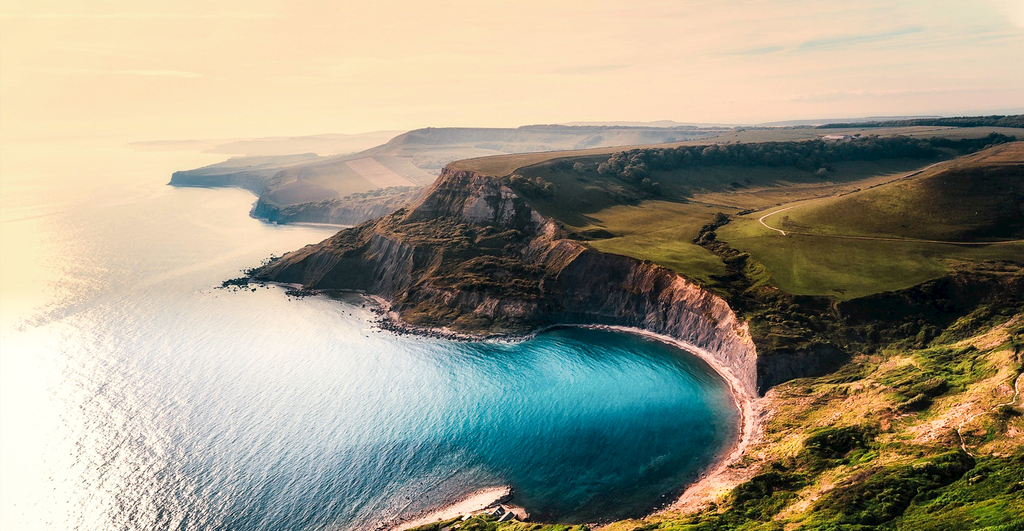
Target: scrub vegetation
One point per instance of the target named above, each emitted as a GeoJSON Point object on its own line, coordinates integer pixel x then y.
{"type": "Point", "coordinates": [875, 445]}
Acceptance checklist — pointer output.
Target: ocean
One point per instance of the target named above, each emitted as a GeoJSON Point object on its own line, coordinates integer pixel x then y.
{"type": "Point", "coordinates": [136, 394]}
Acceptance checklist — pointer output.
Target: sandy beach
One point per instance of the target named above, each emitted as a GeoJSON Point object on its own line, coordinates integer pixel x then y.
{"type": "Point", "coordinates": [475, 502]}
{"type": "Point", "coordinates": [716, 480]}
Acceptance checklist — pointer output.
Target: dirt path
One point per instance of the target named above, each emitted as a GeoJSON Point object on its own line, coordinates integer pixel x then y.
{"type": "Point", "coordinates": [874, 238]}
{"type": "Point", "coordinates": [780, 231]}
{"type": "Point", "coordinates": [1013, 400]}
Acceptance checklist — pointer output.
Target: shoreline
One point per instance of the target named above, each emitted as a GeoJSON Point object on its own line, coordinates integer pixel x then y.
{"type": "Point", "coordinates": [476, 501]}
{"type": "Point", "coordinates": [745, 405]}
{"type": "Point", "coordinates": [710, 481]}
{"type": "Point", "coordinates": [695, 494]}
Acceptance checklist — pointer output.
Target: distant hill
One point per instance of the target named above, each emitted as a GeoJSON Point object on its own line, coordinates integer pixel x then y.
{"type": "Point", "coordinates": [336, 189]}
{"type": "Point", "coordinates": [862, 120]}
{"type": "Point", "coordinates": [324, 145]}
{"type": "Point", "coordinates": [655, 123]}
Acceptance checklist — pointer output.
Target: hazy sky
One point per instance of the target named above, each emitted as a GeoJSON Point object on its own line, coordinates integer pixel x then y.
{"type": "Point", "coordinates": [209, 68]}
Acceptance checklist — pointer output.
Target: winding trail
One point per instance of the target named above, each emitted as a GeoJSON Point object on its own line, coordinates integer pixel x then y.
{"type": "Point", "coordinates": [780, 231]}
{"type": "Point", "coordinates": [1013, 400]}
{"type": "Point", "coordinates": [874, 238]}
{"type": "Point", "coordinates": [914, 173]}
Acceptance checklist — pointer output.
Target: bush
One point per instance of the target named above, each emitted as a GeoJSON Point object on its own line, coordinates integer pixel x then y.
{"type": "Point", "coordinates": [885, 494]}
{"type": "Point", "coordinates": [816, 156]}
{"type": "Point", "coordinates": [835, 443]}
{"type": "Point", "coordinates": [766, 494]}
{"type": "Point", "coordinates": [919, 402]}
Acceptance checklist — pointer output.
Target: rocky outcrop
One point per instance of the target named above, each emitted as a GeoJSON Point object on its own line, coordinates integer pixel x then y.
{"type": "Point", "coordinates": [472, 255]}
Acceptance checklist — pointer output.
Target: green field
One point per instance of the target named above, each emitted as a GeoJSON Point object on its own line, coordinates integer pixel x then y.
{"type": "Point", "coordinates": [849, 268]}
{"type": "Point", "coordinates": [975, 198]}
{"type": "Point", "coordinates": [661, 232]}
{"type": "Point", "coordinates": [628, 222]}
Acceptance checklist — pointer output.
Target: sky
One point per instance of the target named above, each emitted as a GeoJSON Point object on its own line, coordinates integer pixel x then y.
{"type": "Point", "coordinates": [192, 69]}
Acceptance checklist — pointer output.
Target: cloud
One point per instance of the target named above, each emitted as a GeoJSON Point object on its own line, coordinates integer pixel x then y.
{"type": "Point", "coordinates": [151, 73]}
{"type": "Point", "coordinates": [841, 41]}
{"type": "Point", "coordinates": [1013, 10]}
{"type": "Point", "coordinates": [587, 69]}
{"type": "Point", "coordinates": [158, 16]}
{"type": "Point", "coordinates": [761, 50]}
{"type": "Point", "coordinates": [159, 73]}
{"type": "Point", "coordinates": [837, 95]}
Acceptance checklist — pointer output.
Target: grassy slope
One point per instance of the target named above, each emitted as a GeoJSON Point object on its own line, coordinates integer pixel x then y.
{"type": "Point", "coordinates": [939, 204]}
{"type": "Point", "coordinates": [874, 446]}
{"type": "Point", "coordinates": [662, 229]}
{"type": "Point", "coordinates": [978, 197]}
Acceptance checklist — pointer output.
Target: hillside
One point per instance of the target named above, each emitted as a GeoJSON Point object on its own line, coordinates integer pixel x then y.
{"type": "Point", "coordinates": [976, 198]}
{"type": "Point", "coordinates": [912, 437]}
{"type": "Point", "coordinates": [885, 236]}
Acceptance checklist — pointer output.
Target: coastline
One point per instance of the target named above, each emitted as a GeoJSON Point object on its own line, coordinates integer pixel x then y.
{"type": "Point", "coordinates": [477, 501]}
{"type": "Point", "coordinates": [712, 479]}
{"type": "Point", "coordinates": [712, 482]}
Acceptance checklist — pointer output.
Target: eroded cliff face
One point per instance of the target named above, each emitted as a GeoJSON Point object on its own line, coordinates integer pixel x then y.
{"type": "Point", "coordinates": [472, 255]}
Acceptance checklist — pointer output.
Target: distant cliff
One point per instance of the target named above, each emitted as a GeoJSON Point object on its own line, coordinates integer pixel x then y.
{"type": "Point", "coordinates": [248, 173]}
{"type": "Point", "coordinates": [473, 256]}
{"type": "Point", "coordinates": [341, 211]}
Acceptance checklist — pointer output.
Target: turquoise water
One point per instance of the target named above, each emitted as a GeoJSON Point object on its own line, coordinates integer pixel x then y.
{"type": "Point", "coordinates": [134, 395]}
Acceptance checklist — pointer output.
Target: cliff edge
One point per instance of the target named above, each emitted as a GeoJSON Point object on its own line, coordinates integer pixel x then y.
{"type": "Point", "coordinates": [471, 255]}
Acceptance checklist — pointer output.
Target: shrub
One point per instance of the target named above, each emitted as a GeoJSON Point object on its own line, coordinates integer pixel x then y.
{"type": "Point", "coordinates": [885, 494]}
{"type": "Point", "coordinates": [835, 443]}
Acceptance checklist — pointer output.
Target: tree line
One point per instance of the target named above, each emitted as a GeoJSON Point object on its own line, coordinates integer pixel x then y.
{"type": "Point", "coordinates": [819, 155]}
{"type": "Point", "coordinates": [1015, 120]}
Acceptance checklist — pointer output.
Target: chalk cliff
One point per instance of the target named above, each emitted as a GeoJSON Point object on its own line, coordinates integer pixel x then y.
{"type": "Point", "coordinates": [472, 255]}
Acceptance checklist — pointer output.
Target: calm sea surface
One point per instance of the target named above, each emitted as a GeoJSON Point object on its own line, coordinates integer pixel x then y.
{"type": "Point", "coordinates": [134, 395]}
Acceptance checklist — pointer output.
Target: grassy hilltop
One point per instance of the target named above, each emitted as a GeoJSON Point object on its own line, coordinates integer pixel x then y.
{"type": "Point", "coordinates": [900, 251]}
{"type": "Point", "coordinates": [657, 213]}
{"type": "Point", "coordinates": [885, 236]}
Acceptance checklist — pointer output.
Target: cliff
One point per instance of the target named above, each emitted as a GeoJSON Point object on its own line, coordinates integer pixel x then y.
{"type": "Point", "coordinates": [473, 256]}
{"type": "Point", "coordinates": [247, 173]}
{"type": "Point", "coordinates": [311, 189]}
{"type": "Point", "coordinates": [253, 181]}
{"type": "Point", "coordinates": [320, 189]}
{"type": "Point", "coordinates": [342, 211]}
